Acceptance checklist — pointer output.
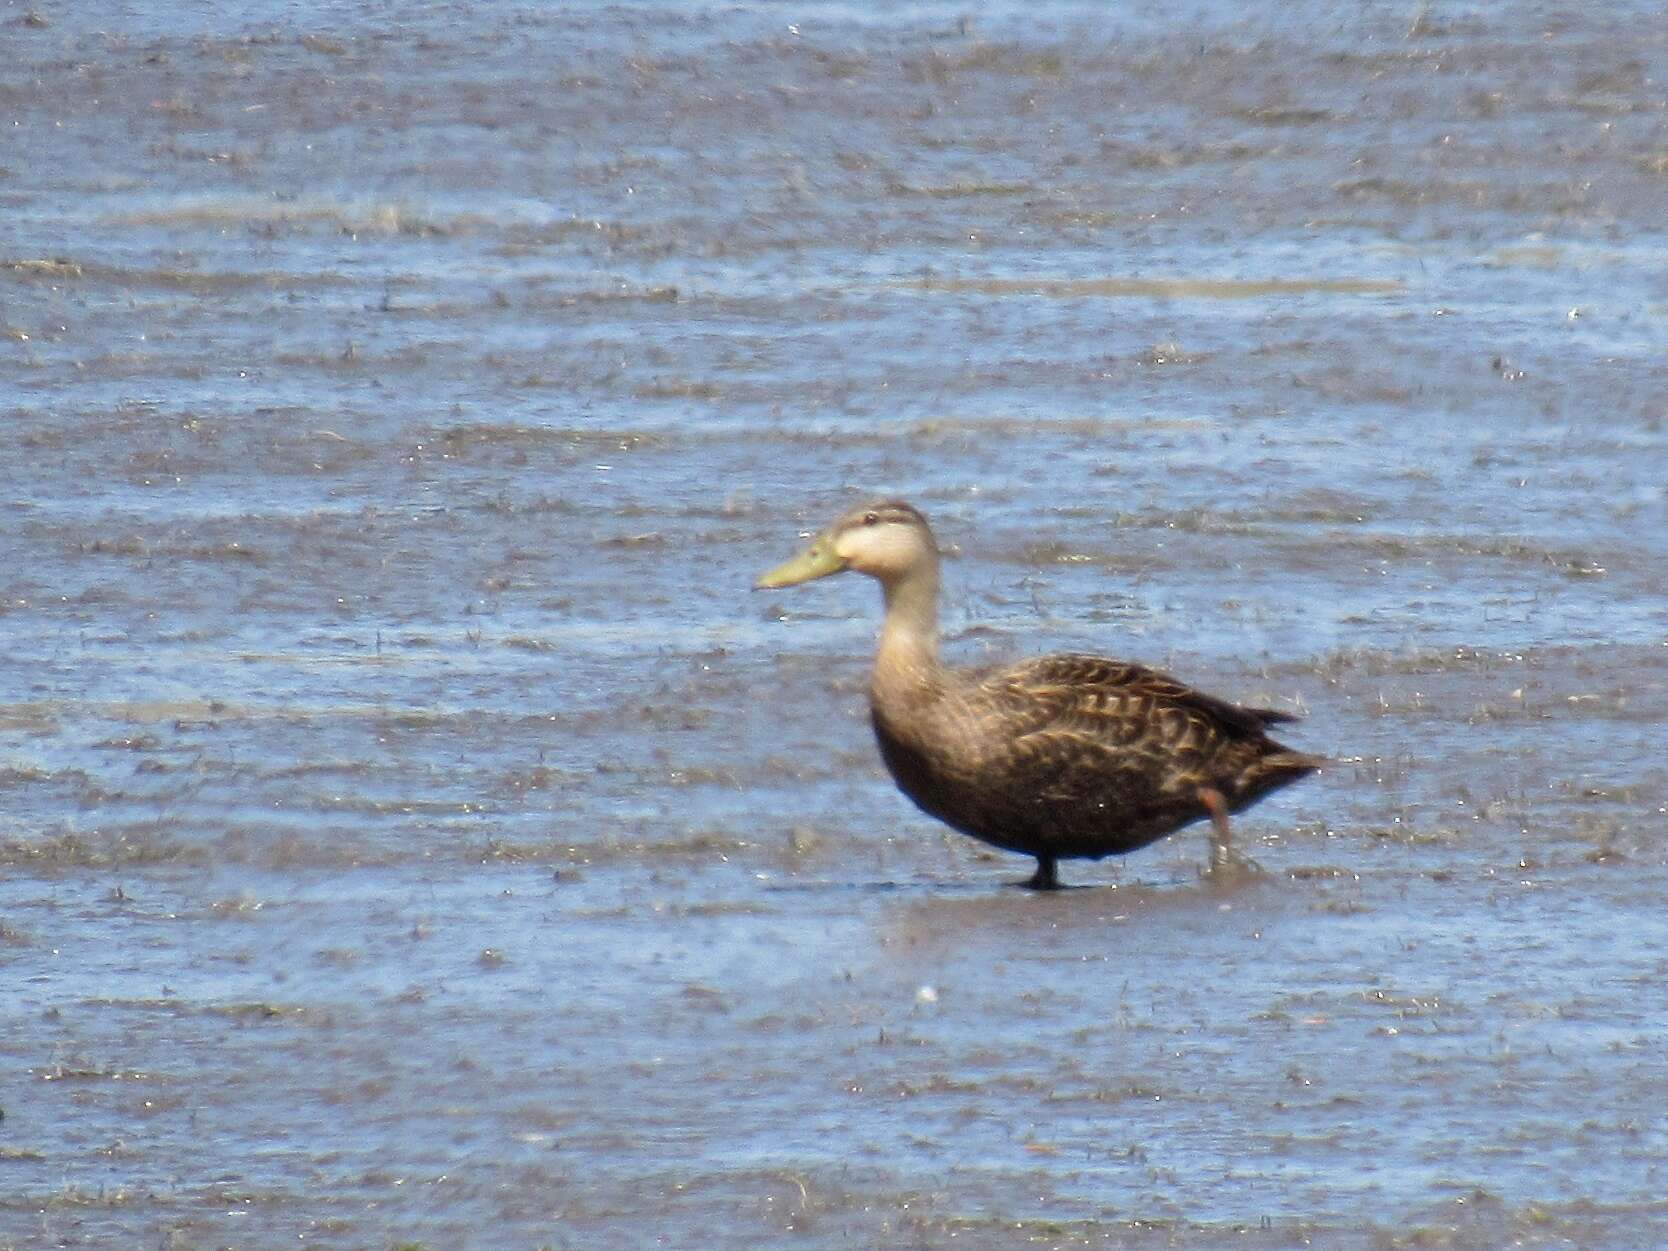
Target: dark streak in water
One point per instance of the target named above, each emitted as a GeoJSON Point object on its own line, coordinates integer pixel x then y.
{"type": "Point", "coordinates": [1159, 288]}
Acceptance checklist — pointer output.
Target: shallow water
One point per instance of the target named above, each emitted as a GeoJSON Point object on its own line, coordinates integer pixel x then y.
{"type": "Point", "coordinates": [413, 830]}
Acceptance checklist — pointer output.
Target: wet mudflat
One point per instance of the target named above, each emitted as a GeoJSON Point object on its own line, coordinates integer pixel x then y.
{"type": "Point", "coordinates": [413, 832]}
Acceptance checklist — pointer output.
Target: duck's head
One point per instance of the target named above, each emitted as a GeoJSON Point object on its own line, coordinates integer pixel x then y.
{"type": "Point", "coordinates": [886, 539]}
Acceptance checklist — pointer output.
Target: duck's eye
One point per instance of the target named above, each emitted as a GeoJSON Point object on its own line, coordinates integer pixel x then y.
{"type": "Point", "coordinates": [870, 519]}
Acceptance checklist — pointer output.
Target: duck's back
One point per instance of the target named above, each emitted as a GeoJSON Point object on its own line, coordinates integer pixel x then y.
{"type": "Point", "coordinates": [1077, 756]}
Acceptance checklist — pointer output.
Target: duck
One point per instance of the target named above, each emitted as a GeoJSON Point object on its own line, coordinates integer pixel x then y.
{"type": "Point", "coordinates": [1059, 757]}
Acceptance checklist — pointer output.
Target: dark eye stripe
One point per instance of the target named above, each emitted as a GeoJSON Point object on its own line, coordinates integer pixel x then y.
{"type": "Point", "coordinates": [884, 512]}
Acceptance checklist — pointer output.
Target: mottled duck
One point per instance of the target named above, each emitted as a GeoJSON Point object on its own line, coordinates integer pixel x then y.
{"type": "Point", "coordinates": [1062, 757]}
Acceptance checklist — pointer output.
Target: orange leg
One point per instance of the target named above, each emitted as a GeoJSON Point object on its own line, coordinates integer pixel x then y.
{"type": "Point", "coordinates": [1221, 833]}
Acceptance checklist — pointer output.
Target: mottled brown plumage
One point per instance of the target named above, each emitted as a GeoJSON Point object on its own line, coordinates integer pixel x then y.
{"type": "Point", "coordinates": [1061, 757]}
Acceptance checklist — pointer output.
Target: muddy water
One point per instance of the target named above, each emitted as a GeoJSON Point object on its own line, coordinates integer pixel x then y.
{"type": "Point", "coordinates": [412, 829]}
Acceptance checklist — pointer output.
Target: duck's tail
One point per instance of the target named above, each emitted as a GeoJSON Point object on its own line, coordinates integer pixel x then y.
{"type": "Point", "coordinates": [1280, 767]}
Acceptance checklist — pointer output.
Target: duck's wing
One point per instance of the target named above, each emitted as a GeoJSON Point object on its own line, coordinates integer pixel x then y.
{"type": "Point", "coordinates": [1116, 701]}
{"type": "Point", "coordinates": [1097, 740]}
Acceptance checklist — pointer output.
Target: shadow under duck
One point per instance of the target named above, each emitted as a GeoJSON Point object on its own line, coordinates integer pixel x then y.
{"type": "Point", "coordinates": [1062, 757]}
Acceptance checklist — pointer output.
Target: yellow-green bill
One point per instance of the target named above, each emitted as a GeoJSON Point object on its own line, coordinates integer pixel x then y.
{"type": "Point", "coordinates": [816, 561]}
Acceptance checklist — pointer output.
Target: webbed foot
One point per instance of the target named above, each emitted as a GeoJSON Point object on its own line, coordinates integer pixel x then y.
{"type": "Point", "coordinates": [1230, 867]}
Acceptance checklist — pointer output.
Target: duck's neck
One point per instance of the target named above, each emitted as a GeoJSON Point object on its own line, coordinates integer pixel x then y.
{"type": "Point", "coordinates": [906, 662]}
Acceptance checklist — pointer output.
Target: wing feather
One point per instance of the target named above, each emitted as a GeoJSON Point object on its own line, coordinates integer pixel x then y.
{"type": "Point", "coordinates": [1079, 691]}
